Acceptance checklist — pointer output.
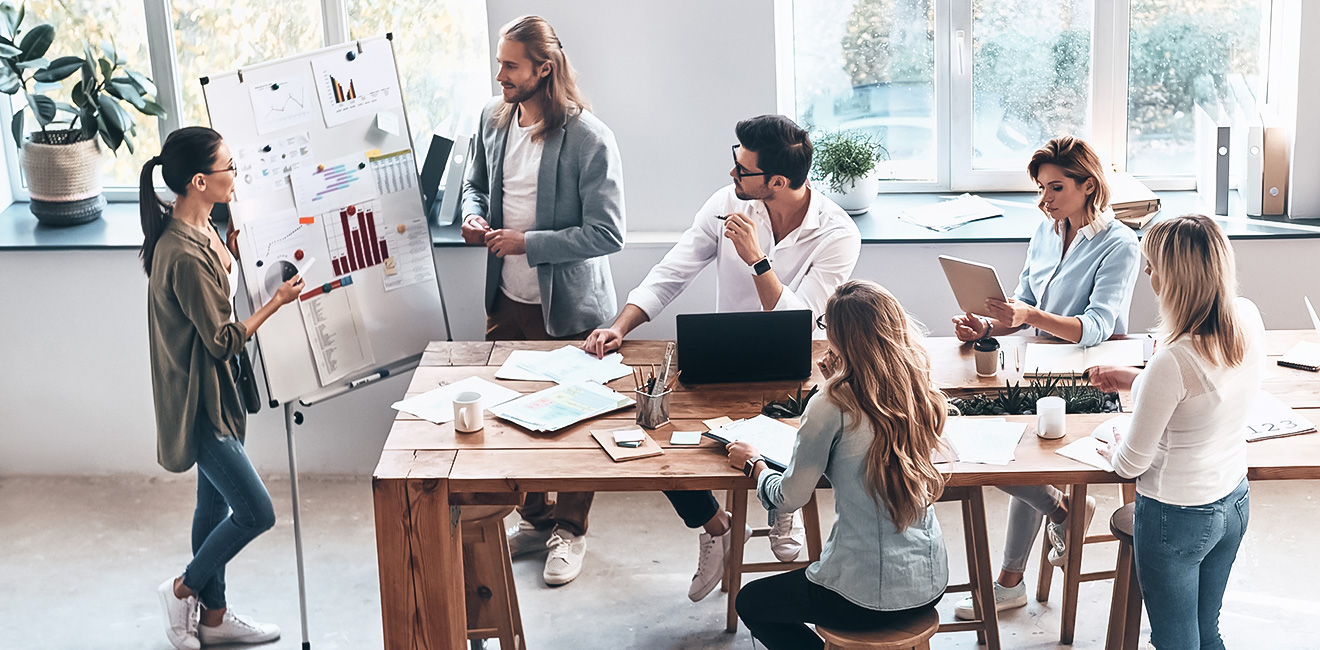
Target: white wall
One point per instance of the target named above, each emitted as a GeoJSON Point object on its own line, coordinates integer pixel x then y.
{"type": "Point", "coordinates": [671, 79]}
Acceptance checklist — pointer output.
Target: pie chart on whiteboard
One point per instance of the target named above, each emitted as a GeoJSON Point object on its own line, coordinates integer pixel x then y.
{"type": "Point", "coordinates": [278, 272]}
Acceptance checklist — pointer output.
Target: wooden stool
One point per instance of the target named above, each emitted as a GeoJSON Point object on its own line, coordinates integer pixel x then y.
{"type": "Point", "coordinates": [913, 634]}
{"type": "Point", "coordinates": [1125, 608]}
{"type": "Point", "coordinates": [980, 582]}
{"type": "Point", "coordinates": [1073, 577]}
{"type": "Point", "coordinates": [488, 589]}
{"type": "Point", "coordinates": [734, 568]}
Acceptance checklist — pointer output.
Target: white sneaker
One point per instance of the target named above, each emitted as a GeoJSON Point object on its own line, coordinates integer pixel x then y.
{"type": "Point", "coordinates": [525, 539]}
{"type": "Point", "coordinates": [711, 552]}
{"type": "Point", "coordinates": [1005, 598]}
{"type": "Point", "coordinates": [237, 629]}
{"type": "Point", "coordinates": [787, 536]}
{"type": "Point", "coordinates": [565, 560]}
{"type": "Point", "coordinates": [180, 617]}
{"type": "Point", "coordinates": [1058, 534]}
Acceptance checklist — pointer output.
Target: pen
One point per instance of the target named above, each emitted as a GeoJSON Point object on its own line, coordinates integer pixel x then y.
{"type": "Point", "coordinates": [721, 217]}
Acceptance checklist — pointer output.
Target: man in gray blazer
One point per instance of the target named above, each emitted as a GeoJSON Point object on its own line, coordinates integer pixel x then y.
{"type": "Point", "coordinates": [544, 194]}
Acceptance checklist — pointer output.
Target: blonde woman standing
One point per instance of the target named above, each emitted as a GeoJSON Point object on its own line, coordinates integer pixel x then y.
{"type": "Point", "coordinates": [872, 433]}
{"type": "Point", "coordinates": [1185, 446]}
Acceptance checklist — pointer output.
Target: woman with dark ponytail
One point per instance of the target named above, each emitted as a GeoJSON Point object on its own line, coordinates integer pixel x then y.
{"type": "Point", "coordinates": [199, 419]}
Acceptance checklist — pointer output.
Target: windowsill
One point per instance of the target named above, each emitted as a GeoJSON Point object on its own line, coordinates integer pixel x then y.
{"type": "Point", "coordinates": [119, 228]}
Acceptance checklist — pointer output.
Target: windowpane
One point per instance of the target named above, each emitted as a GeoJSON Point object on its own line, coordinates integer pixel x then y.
{"type": "Point", "coordinates": [1031, 77]}
{"type": "Point", "coordinates": [443, 56]}
{"type": "Point", "coordinates": [94, 21]}
{"type": "Point", "coordinates": [1182, 54]}
{"type": "Point", "coordinates": [869, 65]}
{"type": "Point", "coordinates": [216, 37]}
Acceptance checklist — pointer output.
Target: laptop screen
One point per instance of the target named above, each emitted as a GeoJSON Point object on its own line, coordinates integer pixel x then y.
{"type": "Point", "coordinates": [744, 346]}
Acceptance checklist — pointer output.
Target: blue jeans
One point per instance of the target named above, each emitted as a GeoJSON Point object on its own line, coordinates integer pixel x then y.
{"type": "Point", "coordinates": [1183, 556]}
{"type": "Point", "coordinates": [233, 508]}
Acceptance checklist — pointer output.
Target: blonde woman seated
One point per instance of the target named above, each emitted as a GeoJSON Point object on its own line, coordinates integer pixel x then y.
{"type": "Point", "coordinates": [871, 432]}
{"type": "Point", "coordinates": [1185, 446]}
{"type": "Point", "coordinates": [1077, 284]}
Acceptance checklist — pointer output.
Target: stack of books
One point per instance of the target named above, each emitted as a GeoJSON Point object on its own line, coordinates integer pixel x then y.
{"type": "Point", "coordinates": [1133, 203]}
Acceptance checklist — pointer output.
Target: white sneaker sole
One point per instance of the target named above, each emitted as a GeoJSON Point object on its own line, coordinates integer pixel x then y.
{"type": "Point", "coordinates": [166, 595]}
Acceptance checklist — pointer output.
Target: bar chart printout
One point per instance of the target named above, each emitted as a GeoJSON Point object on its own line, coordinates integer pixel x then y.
{"type": "Point", "coordinates": [355, 238]}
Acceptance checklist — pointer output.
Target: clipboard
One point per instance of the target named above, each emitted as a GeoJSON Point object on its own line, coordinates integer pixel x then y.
{"type": "Point", "coordinates": [619, 454]}
{"type": "Point", "coordinates": [973, 283]}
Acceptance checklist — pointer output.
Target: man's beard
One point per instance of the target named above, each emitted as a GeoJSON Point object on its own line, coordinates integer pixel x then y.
{"type": "Point", "coordinates": [523, 94]}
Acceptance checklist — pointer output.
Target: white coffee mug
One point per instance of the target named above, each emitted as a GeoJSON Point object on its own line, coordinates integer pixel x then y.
{"type": "Point", "coordinates": [1050, 420]}
{"type": "Point", "coordinates": [469, 416]}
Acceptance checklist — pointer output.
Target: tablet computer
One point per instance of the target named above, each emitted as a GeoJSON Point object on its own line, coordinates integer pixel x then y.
{"type": "Point", "coordinates": [973, 283]}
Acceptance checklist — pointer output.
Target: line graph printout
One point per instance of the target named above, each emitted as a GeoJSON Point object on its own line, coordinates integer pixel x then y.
{"type": "Point", "coordinates": [333, 184]}
{"type": "Point", "coordinates": [349, 89]}
{"type": "Point", "coordinates": [265, 167]}
{"type": "Point", "coordinates": [282, 104]}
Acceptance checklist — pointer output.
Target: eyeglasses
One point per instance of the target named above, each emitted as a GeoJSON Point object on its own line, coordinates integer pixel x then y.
{"type": "Point", "coordinates": [739, 169]}
{"type": "Point", "coordinates": [232, 168]}
{"type": "Point", "coordinates": [820, 322]}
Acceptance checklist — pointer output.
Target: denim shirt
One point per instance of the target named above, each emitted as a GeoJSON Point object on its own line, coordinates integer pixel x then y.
{"type": "Point", "coordinates": [865, 560]}
{"type": "Point", "coordinates": [1093, 281]}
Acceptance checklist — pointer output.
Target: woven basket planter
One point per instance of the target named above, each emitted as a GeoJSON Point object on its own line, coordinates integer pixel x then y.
{"type": "Point", "coordinates": [64, 180]}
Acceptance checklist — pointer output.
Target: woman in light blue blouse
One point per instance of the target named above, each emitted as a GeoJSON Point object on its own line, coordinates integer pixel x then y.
{"type": "Point", "coordinates": [1077, 284]}
{"type": "Point", "coordinates": [871, 432]}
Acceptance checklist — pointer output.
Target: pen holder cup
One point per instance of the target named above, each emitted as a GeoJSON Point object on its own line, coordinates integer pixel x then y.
{"type": "Point", "coordinates": [653, 410]}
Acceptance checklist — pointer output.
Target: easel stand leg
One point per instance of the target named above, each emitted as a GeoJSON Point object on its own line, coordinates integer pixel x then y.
{"type": "Point", "coordinates": [289, 417]}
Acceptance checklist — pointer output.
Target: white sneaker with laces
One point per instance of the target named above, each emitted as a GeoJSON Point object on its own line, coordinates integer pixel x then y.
{"type": "Point", "coordinates": [564, 563]}
{"type": "Point", "coordinates": [787, 536]}
{"type": "Point", "coordinates": [180, 618]}
{"type": "Point", "coordinates": [711, 553]}
{"type": "Point", "coordinates": [525, 539]}
{"type": "Point", "coordinates": [1005, 598]}
{"type": "Point", "coordinates": [1058, 534]}
{"type": "Point", "coordinates": [238, 629]}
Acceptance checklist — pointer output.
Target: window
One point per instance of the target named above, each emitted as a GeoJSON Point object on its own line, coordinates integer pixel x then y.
{"type": "Point", "coordinates": [441, 48]}
{"type": "Point", "coordinates": [961, 92]}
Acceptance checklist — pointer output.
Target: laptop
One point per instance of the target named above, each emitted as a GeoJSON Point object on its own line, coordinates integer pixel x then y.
{"type": "Point", "coordinates": [744, 346]}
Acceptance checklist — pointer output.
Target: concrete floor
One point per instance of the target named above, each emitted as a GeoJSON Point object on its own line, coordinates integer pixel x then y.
{"type": "Point", "coordinates": [80, 559]}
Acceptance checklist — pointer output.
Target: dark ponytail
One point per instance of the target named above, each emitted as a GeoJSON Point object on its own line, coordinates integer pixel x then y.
{"type": "Point", "coordinates": [187, 152]}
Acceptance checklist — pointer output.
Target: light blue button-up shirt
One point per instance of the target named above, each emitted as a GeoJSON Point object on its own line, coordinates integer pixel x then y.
{"type": "Point", "coordinates": [1092, 281]}
{"type": "Point", "coordinates": [866, 559]}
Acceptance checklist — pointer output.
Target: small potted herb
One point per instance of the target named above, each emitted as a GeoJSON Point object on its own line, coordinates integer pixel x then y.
{"type": "Point", "coordinates": [845, 162]}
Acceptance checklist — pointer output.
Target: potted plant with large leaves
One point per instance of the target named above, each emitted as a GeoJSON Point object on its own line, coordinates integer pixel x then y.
{"type": "Point", "coordinates": [846, 162]}
{"type": "Point", "coordinates": [62, 158]}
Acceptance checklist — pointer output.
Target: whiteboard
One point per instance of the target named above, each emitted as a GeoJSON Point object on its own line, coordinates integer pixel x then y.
{"type": "Point", "coordinates": [327, 186]}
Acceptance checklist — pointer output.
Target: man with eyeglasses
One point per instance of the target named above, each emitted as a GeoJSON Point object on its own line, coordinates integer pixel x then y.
{"type": "Point", "coordinates": [777, 244]}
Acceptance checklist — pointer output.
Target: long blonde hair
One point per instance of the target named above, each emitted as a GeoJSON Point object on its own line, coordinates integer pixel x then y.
{"type": "Point", "coordinates": [884, 380]}
{"type": "Point", "coordinates": [1198, 284]}
{"type": "Point", "coordinates": [1078, 162]}
{"type": "Point", "coordinates": [560, 96]}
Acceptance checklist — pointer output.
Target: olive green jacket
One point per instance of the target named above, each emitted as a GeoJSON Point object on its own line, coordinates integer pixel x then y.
{"type": "Point", "coordinates": [193, 336]}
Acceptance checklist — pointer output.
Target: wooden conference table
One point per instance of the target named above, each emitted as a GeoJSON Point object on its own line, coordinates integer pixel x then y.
{"type": "Point", "coordinates": [428, 471]}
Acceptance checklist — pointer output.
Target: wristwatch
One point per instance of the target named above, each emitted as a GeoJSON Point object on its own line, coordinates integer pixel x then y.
{"type": "Point", "coordinates": [761, 267]}
{"type": "Point", "coordinates": [750, 466]}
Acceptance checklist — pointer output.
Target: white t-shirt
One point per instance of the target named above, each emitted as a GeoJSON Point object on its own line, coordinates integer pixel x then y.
{"type": "Point", "coordinates": [1186, 446]}
{"type": "Point", "coordinates": [522, 166]}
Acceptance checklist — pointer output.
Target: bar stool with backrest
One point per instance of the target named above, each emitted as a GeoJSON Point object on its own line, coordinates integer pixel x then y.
{"type": "Point", "coordinates": [912, 634]}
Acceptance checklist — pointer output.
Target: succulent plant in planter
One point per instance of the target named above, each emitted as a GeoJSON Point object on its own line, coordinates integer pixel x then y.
{"type": "Point", "coordinates": [845, 161]}
{"type": "Point", "coordinates": [793, 407]}
{"type": "Point", "coordinates": [1014, 399]}
{"type": "Point", "coordinates": [62, 159]}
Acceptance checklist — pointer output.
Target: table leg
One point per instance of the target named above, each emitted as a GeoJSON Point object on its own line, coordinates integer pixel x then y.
{"type": "Point", "coordinates": [981, 551]}
{"type": "Point", "coordinates": [1073, 569]}
{"type": "Point", "coordinates": [734, 562]}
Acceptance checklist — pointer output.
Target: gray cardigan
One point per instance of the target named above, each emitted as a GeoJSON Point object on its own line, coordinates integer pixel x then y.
{"type": "Point", "coordinates": [579, 217]}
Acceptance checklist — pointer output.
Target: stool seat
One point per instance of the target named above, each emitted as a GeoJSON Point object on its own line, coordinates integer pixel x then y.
{"type": "Point", "coordinates": [1121, 523]}
{"type": "Point", "coordinates": [912, 633]}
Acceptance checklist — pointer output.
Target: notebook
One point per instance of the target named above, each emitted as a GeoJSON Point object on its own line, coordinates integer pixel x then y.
{"type": "Point", "coordinates": [1305, 355]}
{"type": "Point", "coordinates": [619, 454]}
{"type": "Point", "coordinates": [1070, 359]}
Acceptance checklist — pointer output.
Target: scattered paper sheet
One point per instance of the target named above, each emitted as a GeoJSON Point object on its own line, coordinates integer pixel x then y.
{"type": "Point", "coordinates": [281, 104]}
{"type": "Point", "coordinates": [566, 365]}
{"type": "Point", "coordinates": [357, 87]}
{"type": "Point", "coordinates": [513, 367]}
{"type": "Point", "coordinates": [1087, 450]}
{"type": "Point", "coordinates": [332, 184]}
{"type": "Point", "coordinates": [559, 406]}
{"type": "Point", "coordinates": [437, 405]}
{"type": "Point", "coordinates": [265, 167]}
{"type": "Point", "coordinates": [988, 441]}
{"type": "Point", "coordinates": [947, 215]}
{"type": "Point", "coordinates": [772, 438]}
{"type": "Point", "coordinates": [335, 330]}
{"type": "Point", "coordinates": [1073, 359]}
{"type": "Point", "coordinates": [1271, 418]}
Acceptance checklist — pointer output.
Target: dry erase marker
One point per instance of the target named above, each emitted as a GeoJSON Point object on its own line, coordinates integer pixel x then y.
{"type": "Point", "coordinates": [721, 217]}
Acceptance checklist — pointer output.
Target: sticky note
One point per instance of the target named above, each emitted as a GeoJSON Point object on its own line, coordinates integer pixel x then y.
{"type": "Point", "coordinates": [685, 438]}
{"type": "Point", "coordinates": [629, 435]}
{"type": "Point", "coordinates": [372, 153]}
{"type": "Point", "coordinates": [391, 267]}
{"type": "Point", "coordinates": [717, 422]}
{"type": "Point", "coordinates": [387, 122]}
{"type": "Point", "coordinates": [306, 220]}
